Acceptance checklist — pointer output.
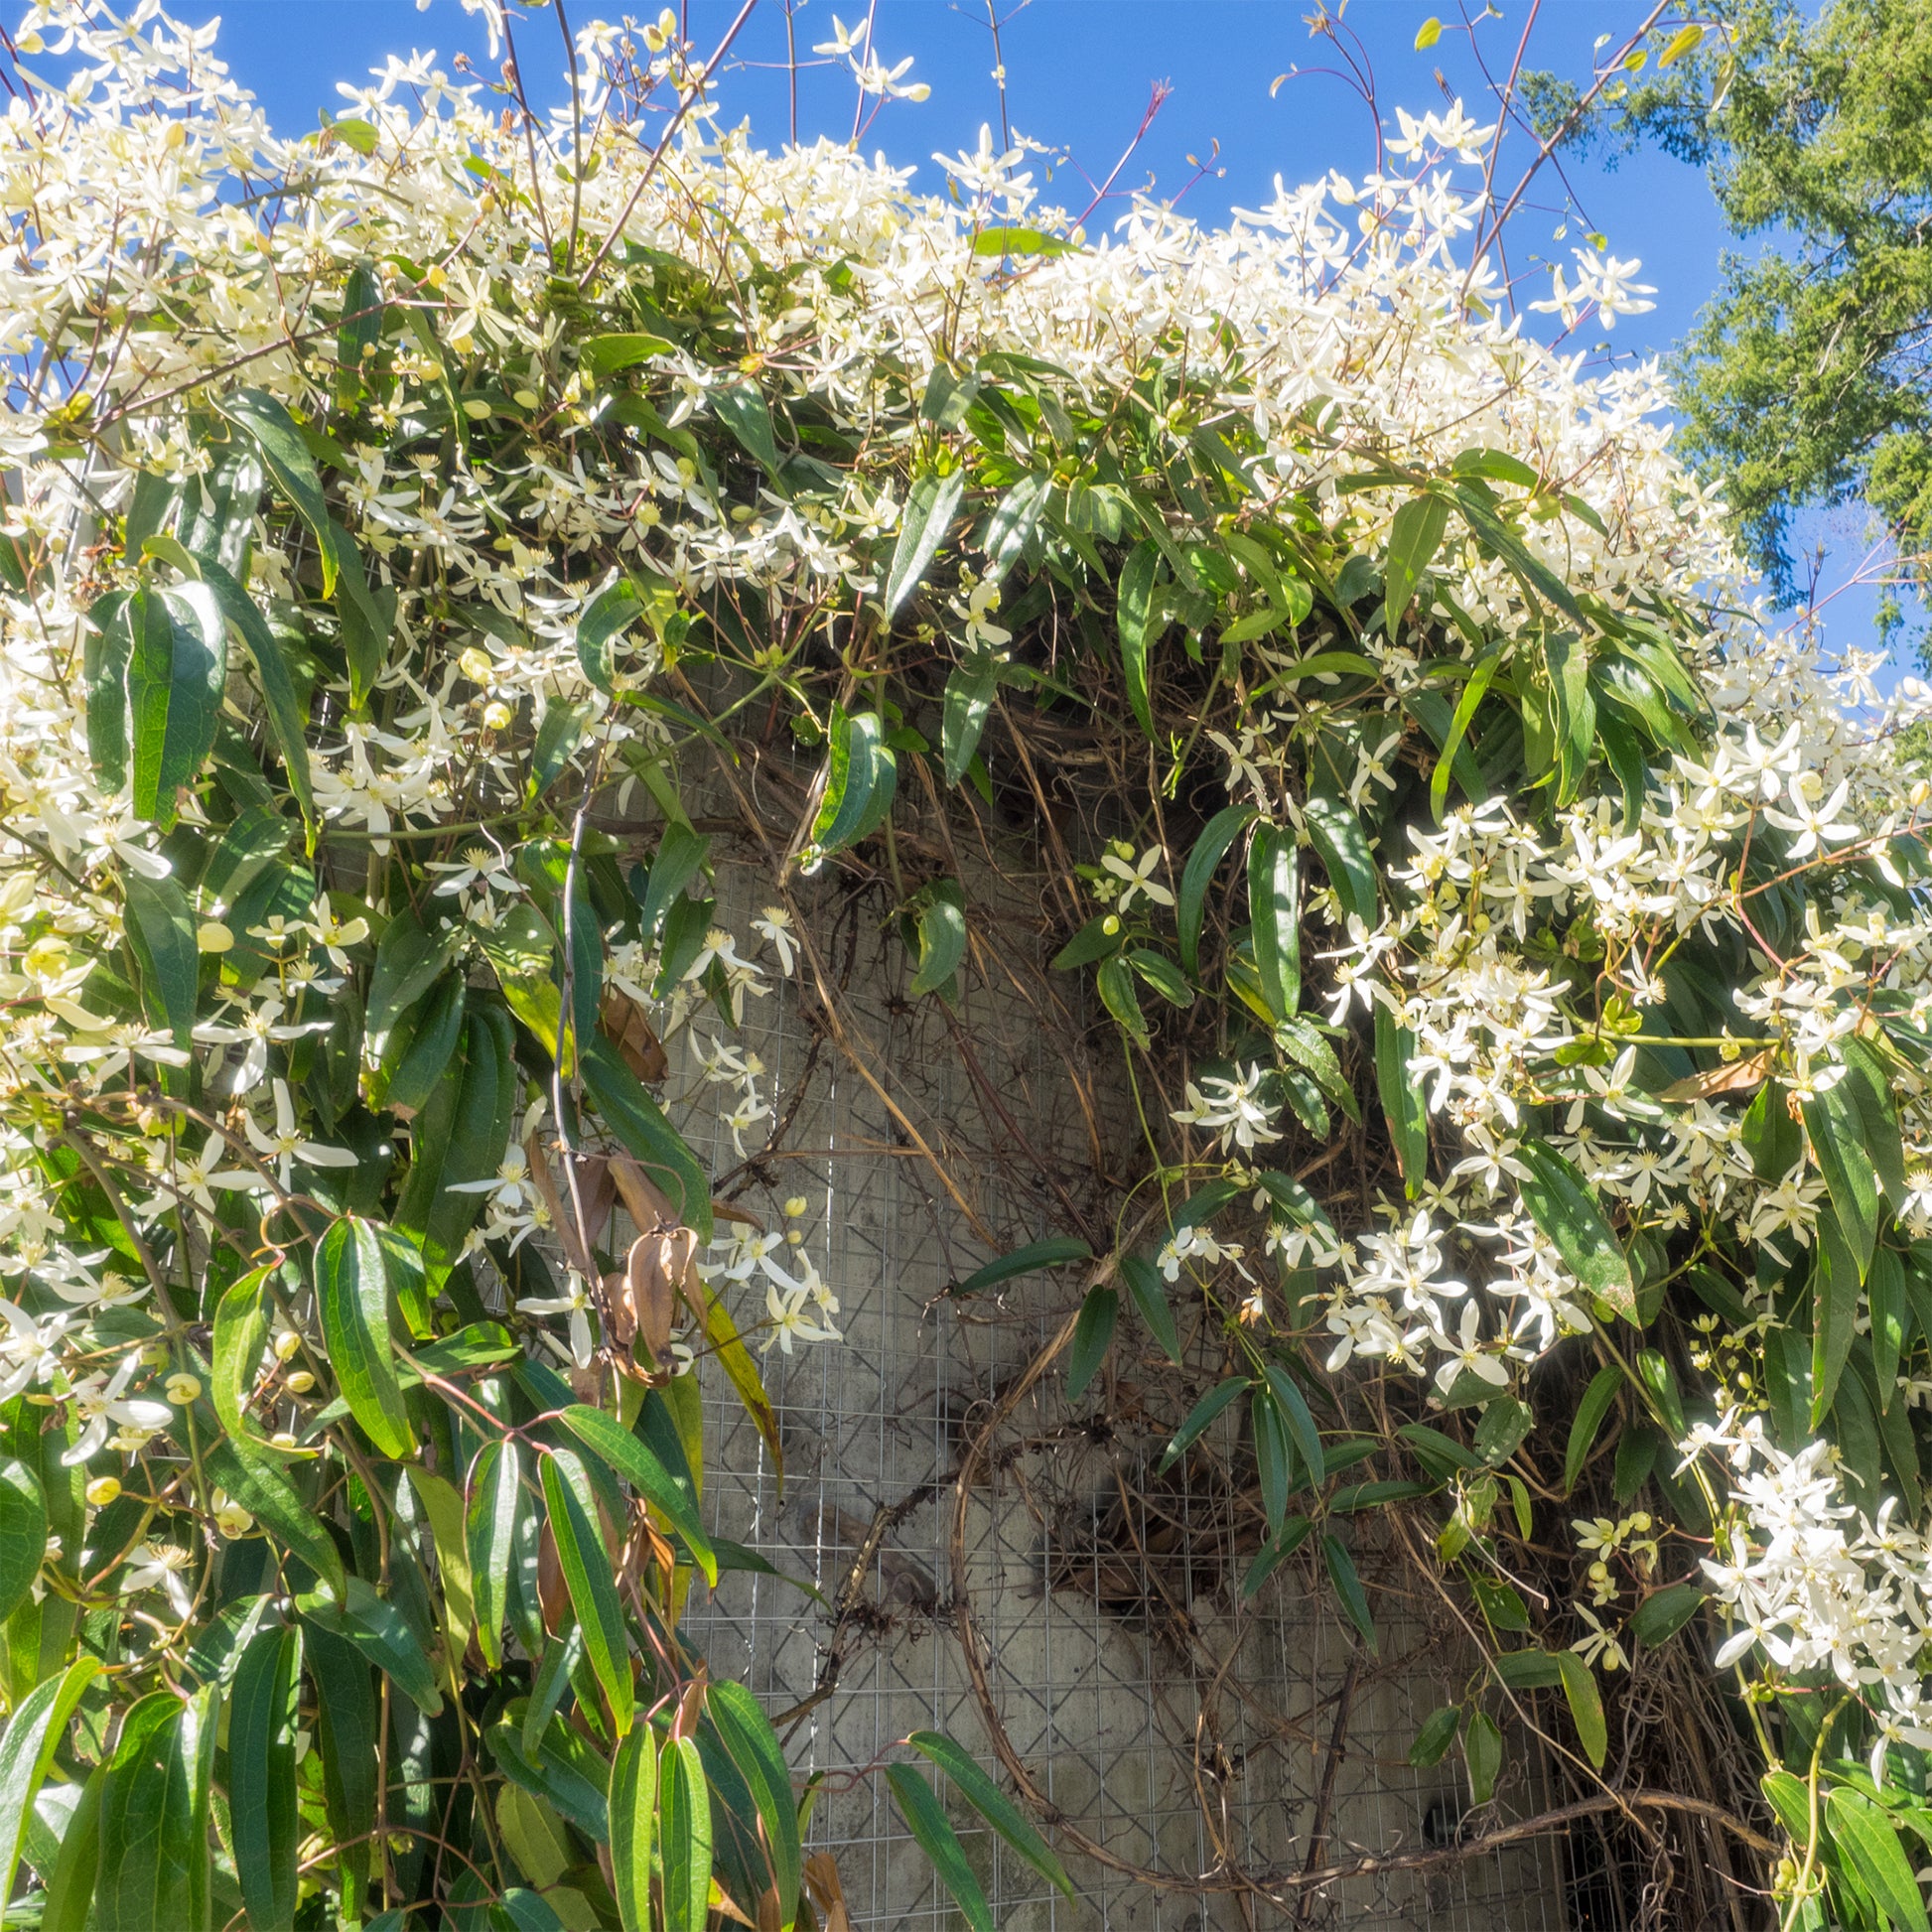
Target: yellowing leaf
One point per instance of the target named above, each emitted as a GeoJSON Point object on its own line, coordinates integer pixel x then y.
{"type": "Point", "coordinates": [1429, 32]}
{"type": "Point", "coordinates": [1685, 41]}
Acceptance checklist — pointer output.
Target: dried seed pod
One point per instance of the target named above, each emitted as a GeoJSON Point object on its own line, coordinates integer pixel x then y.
{"type": "Point", "coordinates": [660, 1264]}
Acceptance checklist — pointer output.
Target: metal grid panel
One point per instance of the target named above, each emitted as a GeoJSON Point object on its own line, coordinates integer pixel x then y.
{"type": "Point", "coordinates": [1126, 1677]}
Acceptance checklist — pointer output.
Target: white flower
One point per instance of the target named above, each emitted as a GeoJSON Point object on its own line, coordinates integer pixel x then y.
{"type": "Point", "coordinates": [286, 1143]}
{"type": "Point", "coordinates": [1137, 878]}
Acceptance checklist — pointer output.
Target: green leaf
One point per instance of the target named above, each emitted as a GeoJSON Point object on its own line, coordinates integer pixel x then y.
{"type": "Point", "coordinates": [648, 1135]}
{"type": "Point", "coordinates": [426, 1058]}
{"type": "Point", "coordinates": [1565, 1208]}
{"type": "Point", "coordinates": [346, 1723]}
{"type": "Point", "coordinates": [633, 1460]}
{"type": "Point", "coordinates": [931, 507]}
{"type": "Point", "coordinates": [265, 1825]}
{"type": "Point", "coordinates": [942, 940]}
{"type": "Point", "coordinates": [680, 857]}
{"type": "Point", "coordinates": [365, 614]}
{"type": "Point", "coordinates": [1435, 1737]}
{"type": "Point", "coordinates": [1141, 617]}
{"type": "Point", "coordinates": [34, 1734]}
{"type": "Point", "coordinates": [1019, 241]}
{"type": "Point", "coordinates": [1275, 1548]}
{"type": "Point", "coordinates": [970, 689]}
{"type": "Point", "coordinates": [606, 354]}
{"type": "Point", "coordinates": [860, 776]}
{"type": "Point", "coordinates": [1300, 1424]}
{"type": "Point", "coordinates": [1199, 1417]}
{"type": "Point", "coordinates": [1885, 1288]}
{"type": "Point", "coordinates": [1404, 1104]}
{"type": "Point", "coordinates": [285, 456]}
{"type": "Point", "coordinates": [154, 1817]}
{"type": "Point", "coordinates": [993, 1805]}
{"type": "Point", "coordinates": [1586, 1705]}
{"type": "Point", "coordinates": [1870, 1082]}
{"type": "Point", "coordinates": [1867, 1839]}
{"type": "Point", "coordinates": [742, 409]}
{"type": "Point", "coordinates": [1590, 1412]}
{"type": "Point", "coordinates": [588, 1576]}
{"type": "Point", "coordinates": [1337, 836]}
{"type": "Point", "coordinates": [1834, 1306]}
{"type": "Point", "coordinates": [249, 1477]}
{"type": "Point", "coordinates": [1663, 1612]}
{"type": "Point", "coordinates": [1056, 1251]}
{"type": "Point", "coordinates": [754, 1748]}
{"type": "Point", "coordinates": [1482, 1751]}
{"type": "Point", "coordinates": [1348, 1587]}
{"type": "Point", "coordinates": [1144, 1284]}
{"type": "Point", "coordinates": [353, 1294]}
{"type": "Point", "coordinates": [1191, 900]}
{"type": "Point", "coordinates": [602, 618]}
{"type": "Point", "coordinates": [282, 703]}
{"type": "Point", "coordinates": [1528, 1670]}
{"type": "Point", "coordinates": [175, 677]}
{"type": "Point", "coordinates": [633, 1807]}
{"type": "Point", "coordinates": [1275, 907]}
{"type": "Point", "coordinates": [379, 1633]}
{"type": "Point", "coordinates": [23, 1534]}
{"type": "Point", "coordinates": [1161, 974]}
{"type": "Point", "coordinates": [1489, 529]}
{"type": "Point", "coordinates": [490, 1530]}
{"type": "Point", "coordinates": [1481, 679]}
{"type": "Point", "coordinates": [409, 960]}
{"type": "Point", "coordinates": [1442, 1456]}
{"type": "Point", "coordinates": [240, 1329]}
{"type": "Point", "coordinates": [1414, 538]}
{"type": "Point", "coordinates": [1500, 1603]}
{"type": "Point", "coordinates": [1114, 982]}
{"type": "Point", "coordinates": [1093, 1336]}
{"type": "Point", "coordinates": [441, 1503]}
{"type": "Point", "coordinates": [1014, 521]}
{"type": "Point", "coordinates": [684, 1828]}
{"type": "Point", "coordinates": [161, 930]}
{"type": "Point", "coordinates": [105, 652]}
{"type": "Point", "coordinates": [926, 1818]}
{"type": "Point", "coordinates": [71, 1885]}
{"type": "Point", "coordinates": [1835, 1126]}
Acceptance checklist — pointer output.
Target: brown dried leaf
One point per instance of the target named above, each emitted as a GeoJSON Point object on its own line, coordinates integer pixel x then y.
{"type": "Point", "coordinates": [553, 1594]}
{"type": "Point", "coordinates": [630, 1033]}
{"type": "Point", "coordinates": [660, 1264]}
{"type": "Point", "coordinates": [1741, 1076]}
{"type": "Point", "coordinates": [643, 1202]}
{"type": "Point", "coordinates": [822, 1886]}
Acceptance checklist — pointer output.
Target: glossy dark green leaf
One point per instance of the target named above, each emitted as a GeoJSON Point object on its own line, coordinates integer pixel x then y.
{"type": "Point", "coordinates": [1565, 1207]}
{"type": "Point", "coordinates": [968, 702]}
{"type": "Point", "coordinates": [1275, 1548]}
{"type": "Point", "coordinates": [353, 1295]}
{"type": "Point", "coordinates": [1663, 1612]}
{"type": "Point", "coordinates": [1404, 1103]}
{"type": "Point", "coordinates": [108, 645]}
{"type": "Point", "coordinates": [1885, 1288]}
{"type": "Point", "coordinates": [1273, 1460]}
{"type": "Point", "coordinates": [993, 1804]}
{"type": "Point", "coordinates": [458, 1139]}
{"type": "Point", "coordinates": [680, 857]}
{"type": "Point", "coordinates": [266, 1826]}
{"type": "Point", "coordinates": [154, 1817]}
{"type": "Point", "coordinates": [1349, 1588]}
{"type": "Point", "coordinates": [1160, 973]}
{"type": "Point", "coordinates": [1482, 676]}
{"type": "Point", "coordinates": [161, 930]}
{"type": "Point", "coordinates": [1414, 538]}
{"type": "Point", "coordinates": [1114, 982]}
{"type": "Point", "coordinates": [1835, 1126]}
{"type": "Point", "coordinates": [282, 702]}
{"type": "Point", "coordinates": [633, 1812]}
{"type": "Point", "coordinates": [633, 1459]}
{"type": "Point", "coordinates": [606, 354]}
{"type": "Point", "coordinates": [684, 1834]}
{"type": "Point", "coordinates": [1482, 1752]}
{"type": "Point", "coordinates": [1868, 1842]}
{"type": "Point", "coordinates": [1835, 1278]}
{"type": "Point", "coordinates": [1586, 1705]}
{"type": "Point", "coordinates": [925, 1818]}
{"type": "Point", "coordinates": [365, 614]}
{"type": "Point", "coordinates": [269, 426]}
{"type": "Point", "coordinates": [346, 1723]}
{"type": "Point", "coordinates": [23, 1533]}
{"type": "Point", "coordinates": [860, 778]}
{"type": "Point", "coordinates": [754, 1748]}
{"type": "Point", "coordinates": [34, 1734]}
{"type": "Point", "coordinates": [437, 1028]}
{"type": "Point", "coordinates": [1336, 833]}
{"type": "Point", "coordinates": [602, 618]}
{"type": "Point", "coordinates": [175, 672]}
{"type": "Point", "coordinates": [1870, 1082]}
{"type": "Point", "coordinates": [1142, 1281]}
{"type": "Point", "coordinates": [1138, 614]}
{"type": "Point", "coordinates": [942, 940]}
{"type": "Point", "coordinates": [566, 1772]}
{"type": "Point", "coordinates": [1093, 1336]}
{"type": "Point", "coordinates": [253, 1478]}
{"type": "Point", "coordinates": [931, 507]}
{"type": "Point", "coordinates": [1275, 908]}
{"type": "Point", "coordinates": [1590, 1412]}
{"type": "Point", "coordinates": [1201, 1417]}
{"type": "Point", "coordinates": [742, 408]}
{"type": "Point", "coordinates": [1435, 1737]}
{"type": "Point", "coordinates": [381, 1634]}
{"type": "Point", "coordinates": [1056, 1251]}
{"type": "Point", "coordinates": [1501, 1605]}
{"type": "Point", "coordinates": [1528, 1670]}
{"type": "Point", "coordinates": [71, 1884]}
{"type": "Point", "coordinates": [640, 1123]}
{"type": "Point", "coordinates": [589, 1576]}
{"type": "Point", "coordinates": [409, 959]}
{"type": "Point", "coordinates": [1190, 899]}
{"type": "Point", "coordinates": [1300, 1424]}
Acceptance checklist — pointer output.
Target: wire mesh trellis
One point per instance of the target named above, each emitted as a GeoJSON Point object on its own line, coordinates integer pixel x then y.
{"type": "Point", "coordinates": [953, 1509]}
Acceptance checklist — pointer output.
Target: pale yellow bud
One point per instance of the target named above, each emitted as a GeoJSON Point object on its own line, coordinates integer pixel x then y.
{"type": "Point", "coordinates": [286, 1343]}
{"type": "Point", "coordinates": [476, 665]}
{"type": "Point", "coordinates": [212, 936]}
{"type": "Point", "coordinates": [183, 1389]}
{"type": "Point", "coordinates": [795, 1206]}
{"type": "Point", "coordinates": [496, 715]}
{"type": "Point", "coordinates": [300, 1383]}
{"type": "Point", "coordinates": [103, 1490]}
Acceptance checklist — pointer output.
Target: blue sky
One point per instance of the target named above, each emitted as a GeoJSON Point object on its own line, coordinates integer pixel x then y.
{"type": "Point", "coordinates": [1079, 74]}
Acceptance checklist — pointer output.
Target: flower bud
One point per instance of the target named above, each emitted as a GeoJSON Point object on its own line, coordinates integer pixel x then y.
{"type": "Point", "coordinates": [103, 1490]}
